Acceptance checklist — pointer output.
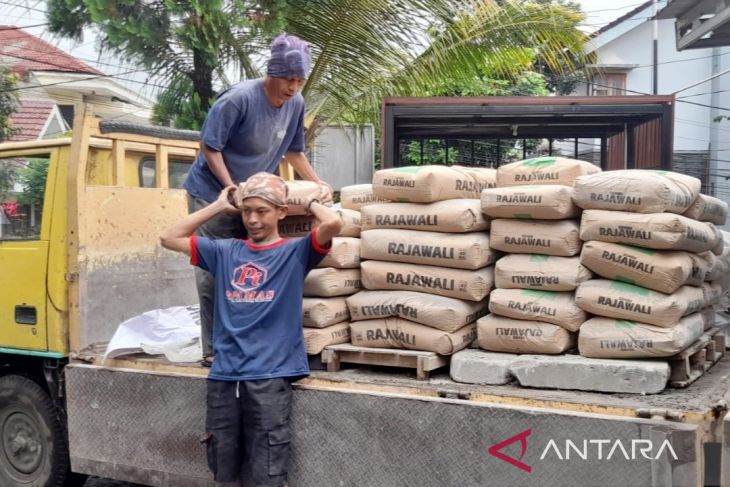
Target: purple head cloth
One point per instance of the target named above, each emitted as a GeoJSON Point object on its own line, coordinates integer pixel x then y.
{"type": "Point", "coordinates": [289, 57]}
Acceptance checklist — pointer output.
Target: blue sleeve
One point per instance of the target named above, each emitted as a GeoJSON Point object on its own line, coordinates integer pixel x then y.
{"type": "Point", "coordinates": [297, 142]}
{"type": "Point", "coordinates": [309, 252]}
{"type": "Point", "coordinates": [203, 253]}
{"type": "Point", "coordinates": [222, 121]}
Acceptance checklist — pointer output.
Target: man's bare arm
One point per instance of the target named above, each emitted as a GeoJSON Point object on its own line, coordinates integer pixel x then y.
{"type": "Point", "coordinates": [217, 164]}
{"type": "Point", "coordinates": [330, 223]}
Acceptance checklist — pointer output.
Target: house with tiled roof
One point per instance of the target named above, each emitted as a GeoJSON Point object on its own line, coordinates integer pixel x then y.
{"type": "Point", "coordinates": [49, 76]}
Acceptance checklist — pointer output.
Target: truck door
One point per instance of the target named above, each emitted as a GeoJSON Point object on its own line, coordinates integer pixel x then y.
{"type": "Point", "coordinates": [24, 242]}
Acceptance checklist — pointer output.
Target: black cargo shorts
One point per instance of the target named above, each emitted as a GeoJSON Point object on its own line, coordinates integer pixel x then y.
{"type": "Point", "coordinates": [247, 430]}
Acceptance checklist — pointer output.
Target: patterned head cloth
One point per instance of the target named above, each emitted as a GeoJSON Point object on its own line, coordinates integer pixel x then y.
{"type": "Point", "coordinates": [289, 57]}
{"type": "Point", "coordinates": [263, 185]}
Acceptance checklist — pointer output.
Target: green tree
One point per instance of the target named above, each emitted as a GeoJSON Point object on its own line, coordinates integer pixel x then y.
{"type": "Point", "coordinates": [32, 178]}
{"type": "Point", "coordinates": [8, 102]}
{"type": "Point", "coordinates": [362, 49]}
{"type": "Point", "coordinates": [188, 44]}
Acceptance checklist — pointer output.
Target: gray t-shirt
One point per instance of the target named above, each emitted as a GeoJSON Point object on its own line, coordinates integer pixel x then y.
{"type": "Point", "coordinates": [252, 135]}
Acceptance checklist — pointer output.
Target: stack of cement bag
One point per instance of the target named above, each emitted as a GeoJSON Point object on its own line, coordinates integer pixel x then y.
{"type": "Point", "coordinates": [429, 268]}
{"type": "Point", "coordinates": [535, 222]}
{"type": "Point", "coordinates": [650, 238]}
{"type": "Point", "coordinates": [324, 311]}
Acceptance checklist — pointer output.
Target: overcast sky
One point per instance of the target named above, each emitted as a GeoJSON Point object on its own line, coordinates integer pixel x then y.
{"type": "Point", "coordinates": [30, 12]}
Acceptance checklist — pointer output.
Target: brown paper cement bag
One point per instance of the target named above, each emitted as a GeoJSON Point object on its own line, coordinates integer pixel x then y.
{"type": "Point", "coordinates": [545, 202]}
{"type": "Point", "coordinates": [544, 170]}
{"type": "Point", "coordinates": [662, 231]}
{"type": "Point", "coordinates": [660, 270]}
{"type": "Point", "coordinates": [300, 193]}
{"type": "Point", "coordinates": [440, 312]}
{"type": "Point", "coordinates": [426, 184]}
{"type": "Point", "coordinates": [442, 281]}
{"type": "Point", "coordinates": [457, 250]}
{"type": "Point", "coordinates": [637, 190]}
{"type": "Point", "coordinates": [322, 312]}
{"type": "Point", "coordinates": [500, 334]}
{"type": "Point", "coordinates": [708, 209]}
{"type": "Point", "coordinates": [400, 333]}
{"type": "Point", "coordinates": [329, 282]}
{"type": "Point", "coordinates": [453, 216]}
{"type": "Point", "coordinates": [712, 293]}
{"type": "Point", "coordinates": [543, 237]}
{"type": "Point", "coordinates": [614, 299]}
{"type": "Point", "coordinates": [554, 307]}
{"type": "Point", "coordinates": [357, 196]}
{"type": "Point", "coordinates": [701, 264]}
{"type": "Point", "coordinates": [610, 338]}
{"type": "Point", "coordinates": [315, 339]}
{"type": "Point", "coordinates": [297, 226]}
{"type": "Point", "coordinates": [540, 272]}
{"type": "Point", "coordinates": [708, 317]}
{"type": "Point", "coordinates": [352, 221]}
{"type": "Point", "coordinates": [344, 254]}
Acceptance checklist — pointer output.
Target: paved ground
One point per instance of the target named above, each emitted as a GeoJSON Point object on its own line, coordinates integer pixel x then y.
{"type": "Point", "coordinates": [97, 482]}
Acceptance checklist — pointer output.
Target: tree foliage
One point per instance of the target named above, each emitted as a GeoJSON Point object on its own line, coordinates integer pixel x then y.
{"type": "Point", "coordinates": [362, 49]}
{"type": "Point", "coordinates": [8, 102]}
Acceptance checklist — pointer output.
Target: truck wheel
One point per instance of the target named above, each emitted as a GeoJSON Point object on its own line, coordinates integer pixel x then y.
{"type": "Point", "coordinates": [33, 450]}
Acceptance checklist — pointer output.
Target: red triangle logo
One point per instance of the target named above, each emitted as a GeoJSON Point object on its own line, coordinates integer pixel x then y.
{"type": "Point", "coordinates": [522, 438]}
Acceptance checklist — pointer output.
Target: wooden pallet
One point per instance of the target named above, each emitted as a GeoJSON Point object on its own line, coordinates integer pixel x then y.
{"type": "Point", "coordinates": [423, 362]}
{"type": "Point", "coordinates": [691, 363]}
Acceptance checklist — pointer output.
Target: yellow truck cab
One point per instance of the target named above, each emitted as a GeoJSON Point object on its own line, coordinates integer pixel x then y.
{"type": "Point", "coordinates": [79, 254]}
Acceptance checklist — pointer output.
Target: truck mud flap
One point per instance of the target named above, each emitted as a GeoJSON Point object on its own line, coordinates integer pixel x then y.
{"type": "Point", "coordinates": [145, 427]}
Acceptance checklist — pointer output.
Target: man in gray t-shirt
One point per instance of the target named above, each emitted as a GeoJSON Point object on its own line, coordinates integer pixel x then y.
{"type": "Point", "coordinates": [249, 128]}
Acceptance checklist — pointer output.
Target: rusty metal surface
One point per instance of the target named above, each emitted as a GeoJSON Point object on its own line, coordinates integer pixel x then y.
{"type": "Point", "coordinates": [123, 271]}
{"type": "Point", "coordinates": [357, 439]}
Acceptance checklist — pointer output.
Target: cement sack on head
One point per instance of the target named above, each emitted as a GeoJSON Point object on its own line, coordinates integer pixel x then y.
{"type": "Point", "coordinates": [614, 299]}
{"type": "Point", "coordinates": [456, 250]}
{"type": "Point", "coordinates": [353, 223]}
{"type": "Point", "coordinates": [453, 216]}
{"type": "Point", "coordinates": [329, 282]}
{"type": "Point", "coordinates": [300, 194]}
{"type": "Point", "coordinates": [322, 312]}
{"type": "Point", "coordinates": [440, 312]}
{"type": "Point", "coordinates": [540, 272]}
{"type": "Point", "coordinates": [545, 202]}
{"type": "Point", "coordinates": [315, 339]}
{"type": "Point", "coordinates": [610, 338]}
{"type": "Point", "coordinates": [660, 270]}
{"type": "Point", "coordinates": [708, 317]}
{"type": "Point", "coordinates": [637, 190]}
{"type": "Point", "coordinates": [500, 334]}
{"type": "Point", "coordinates": [708, 209]}
{"type": "Point", "coordinates": [662, 231]}
{"type": "Point", "coordinates": [344, 254]}
{"type": "Point", "coordinates": [357, 196]}
{"type": "Point", "coordinates": [554, 307]}
{"type": "Point", "coordinates": [544, 170]}
{"type": "Point", "coordinates": [426, 184]}
{"type": "Point", "coordinates": [400, 333]}
{"type": "Point", "coordinates": [442, 281]}
{"type": "Point", "coordinates": [543, 237]}
{"type": "Point", "coordinates": [297, 226]}
{"type": "Point", "coordinates": [701, 264]}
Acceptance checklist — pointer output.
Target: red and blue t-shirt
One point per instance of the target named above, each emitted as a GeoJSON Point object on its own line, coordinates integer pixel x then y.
{"type": "Point", "coordinates": [257, 314]}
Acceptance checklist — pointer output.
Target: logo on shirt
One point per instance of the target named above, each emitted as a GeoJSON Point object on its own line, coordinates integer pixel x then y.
{"type": "Point", "coordinates": [248, 276]}
{"type": "Point", "coordinates": [280, 134]}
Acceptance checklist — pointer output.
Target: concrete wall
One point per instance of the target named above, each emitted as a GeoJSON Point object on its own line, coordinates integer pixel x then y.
{"type": "Point", "coordinates": [345, 155]}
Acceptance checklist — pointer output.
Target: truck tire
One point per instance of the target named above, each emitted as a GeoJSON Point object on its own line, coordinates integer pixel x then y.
{"type": "Point", "coordinates": [33, 449]}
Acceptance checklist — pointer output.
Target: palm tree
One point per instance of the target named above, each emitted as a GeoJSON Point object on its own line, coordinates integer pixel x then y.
{"type": "Point", "coordinates": [362, 49]}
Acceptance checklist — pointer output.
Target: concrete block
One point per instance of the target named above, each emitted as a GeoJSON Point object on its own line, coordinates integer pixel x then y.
{"type": "Point", "coordinates": [479, 367]}
{"type": "Point", "coordinates": [591, 374]}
